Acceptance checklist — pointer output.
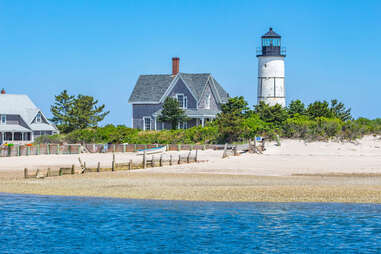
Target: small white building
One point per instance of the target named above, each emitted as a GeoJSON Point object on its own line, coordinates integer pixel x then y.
{"type": "Point", "coordinates": [271, 56]}
{"type": "Point", "coordinates": [21, 121]}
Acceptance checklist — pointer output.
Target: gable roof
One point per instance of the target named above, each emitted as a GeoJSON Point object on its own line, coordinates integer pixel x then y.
{"type": "Point", "coordinates": [18, 104]}
{"type": "Point", "coordinates": [151, 88]}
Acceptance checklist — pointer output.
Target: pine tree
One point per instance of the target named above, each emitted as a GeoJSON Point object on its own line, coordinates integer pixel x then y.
{"type": "Point", "coordinates": [72, 113]}
{"type": "Point", "coordinates": [172, 113]}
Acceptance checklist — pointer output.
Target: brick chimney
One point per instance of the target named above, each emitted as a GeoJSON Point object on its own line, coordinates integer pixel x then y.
{"type": "Point", "coordinates": [175, 65]}
{"type": "Point", "coordinates": [2, 91]}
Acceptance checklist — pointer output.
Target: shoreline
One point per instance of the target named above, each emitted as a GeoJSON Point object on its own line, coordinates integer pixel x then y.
{"type": "Point", "coordinates": [204, 187]}
{"type": "Point", "coordinates": [172, 200]}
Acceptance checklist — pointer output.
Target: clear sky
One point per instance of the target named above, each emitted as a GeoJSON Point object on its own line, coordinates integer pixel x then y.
{"type": "Point", "coordinates": [99, 48]}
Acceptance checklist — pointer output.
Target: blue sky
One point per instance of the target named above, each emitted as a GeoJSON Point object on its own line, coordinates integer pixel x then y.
{"type": "Point", "coordinates": [99, 48]}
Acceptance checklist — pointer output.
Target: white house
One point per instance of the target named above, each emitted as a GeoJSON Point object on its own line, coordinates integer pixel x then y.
{"type": "Point", "coordinates": [21, 121]}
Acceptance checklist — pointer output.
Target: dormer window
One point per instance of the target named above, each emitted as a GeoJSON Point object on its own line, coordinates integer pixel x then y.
{"type": "Point", "coordinates": [3, 119]}
{"type": "Point", "coordinates": [38, 118]}
{"type": "Point", "coordinates": [183, 100]}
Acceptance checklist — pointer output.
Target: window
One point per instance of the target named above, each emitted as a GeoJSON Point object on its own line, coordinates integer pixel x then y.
{"type": "Point", "coordinates": [183, 100]}
{"type": "Point", "coordinates": [3, 119]}
{"type": "Point", "coordinates": [207, 104]}
{"type": "Point", "coordinates": [38, 117]}
{"type": "Point", "coordinates": [8, 136]}
{"type": "Point", "coordinates": [17, 136]}
{"type": "Point", "coordinates": [182, 125]}
{"type": "Point", "coordinates": [27, 136]}
{"type": "Point", "coordinates": [180, 99]}
{"type": "Point", "coordinates": [147, 123]}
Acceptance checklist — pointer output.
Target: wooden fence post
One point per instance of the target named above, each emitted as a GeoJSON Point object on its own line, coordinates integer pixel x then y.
{"type": "Point", "coordinates": [60, 172]}
{"type": "Point", "coordinates": [225, 154]}
{"type": "Point", "coordinates": [144, 159]}
{"type": "Point", "coordinates": [179, 162]}
{"type": "Point", "coordinates": [99, 167]}
{"type": "Point", "coordinates": [161, 160]}
{"type": "Point", "coordinates": [170, 160]}
{"type": "Point", "coordinates": [188, 157]}
{"type": "Point", "coordinates": [195, 157]}
{"type": "Point", "coordinates": [113, 162]}
{"type": "Point", "coordinates": [25, 173]}
{"type": "Point", "coordinates": [72, 169]}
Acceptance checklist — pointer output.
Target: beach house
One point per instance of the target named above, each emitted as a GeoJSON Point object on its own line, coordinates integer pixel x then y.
{"type": "Point", "coordinates": [20, 120]}
{"type": "Point", "coordinates": [199, 94]}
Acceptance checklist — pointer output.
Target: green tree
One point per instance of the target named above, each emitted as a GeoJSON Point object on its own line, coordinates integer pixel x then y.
{"type": "Point", "coordinates": [85, 112]}
{"type": "Point", "coordinates": [237, 106]}
{"type": "Point", "coordinates": [275, 115]}
{"type": "Point", "coordinates": [60, 109]}
{"type": "Point", "coordinates": [340, 111]}
{"type": "Point", "coordinates": [172, 113]}
{"type": "Point", "coordinates": [230, 120]}
{"type": "Point", "coordinates": [296, 107]}
{"type": "Point", "coordinates": [319, 109]}
{"type": "Point", "coordinates": [74, 113]}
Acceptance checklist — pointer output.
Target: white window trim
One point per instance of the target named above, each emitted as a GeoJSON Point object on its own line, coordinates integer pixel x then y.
{"type": "Point", "coordinates": [185, 125]}
{"type": "Point", "coordinates": [144, 122]}
{"type": "Point", "coordinates": [185, 99]}
{"type": "Point", "coordinates": [39, 119]}
{"type": "Point", "coordinates": [207, 106]}
{"type": "Point", "coordinates": [1, 119]}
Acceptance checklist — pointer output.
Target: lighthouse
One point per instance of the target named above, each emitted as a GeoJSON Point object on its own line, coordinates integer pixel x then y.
{"type": "Point", "coordinates": [271, 70]}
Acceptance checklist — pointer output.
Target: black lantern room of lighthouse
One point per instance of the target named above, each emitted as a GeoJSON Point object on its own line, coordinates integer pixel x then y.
{"type": "Point", "coordinates": [271, 45]}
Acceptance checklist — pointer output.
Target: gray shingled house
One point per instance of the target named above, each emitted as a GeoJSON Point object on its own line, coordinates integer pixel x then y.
{"type": "Point", "coordinates": [21, 121]}
{"type": "Point", "coordinates": [199, 94]}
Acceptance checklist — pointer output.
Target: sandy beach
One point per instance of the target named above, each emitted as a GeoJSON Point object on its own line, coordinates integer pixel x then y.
{"type": "Point", "coordinates": [296, 171]}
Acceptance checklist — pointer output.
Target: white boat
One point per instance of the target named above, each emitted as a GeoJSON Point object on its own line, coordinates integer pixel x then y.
{"type": "Point", "coordinates": [160, 149]}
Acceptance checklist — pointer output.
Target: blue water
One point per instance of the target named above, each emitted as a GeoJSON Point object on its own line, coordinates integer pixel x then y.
{"type": "Point", "coordinates": [39, 224]}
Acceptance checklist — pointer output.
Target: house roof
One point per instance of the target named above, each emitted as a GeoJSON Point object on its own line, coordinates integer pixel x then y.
{"type": "Point", "coordinates": [42, 127]}
{"type": "Point", "coordinates": [18, 104]}
{"type": "Point", "coordinates": [195, 112]}
{"type": "Point", "coordinates": [13, 128]}
{"type": "Point", "coordinates": [271, 34]}
{"type": "Point", "coordinates": [151, 88]}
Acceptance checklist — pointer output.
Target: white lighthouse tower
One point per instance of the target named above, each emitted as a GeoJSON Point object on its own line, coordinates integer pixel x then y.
{"type": "Point", "coordinates": [271, 70]}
